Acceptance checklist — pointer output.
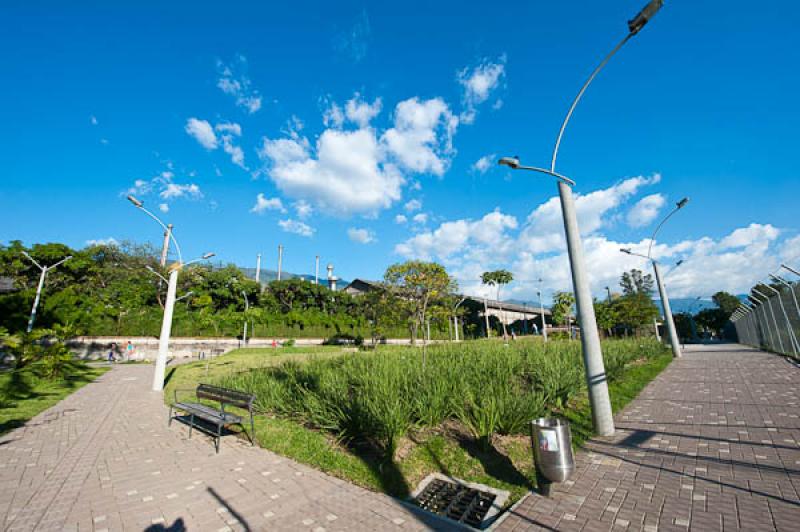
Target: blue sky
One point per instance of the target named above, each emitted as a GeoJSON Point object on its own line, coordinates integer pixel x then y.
{"type": "Point", "coordinates": [345, 117]}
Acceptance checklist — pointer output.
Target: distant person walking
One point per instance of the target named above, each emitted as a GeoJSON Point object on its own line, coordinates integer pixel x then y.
{"type": "Point", "coordinates": [129, 351]}
{"type": "Point", "coordinates": [111, 358]}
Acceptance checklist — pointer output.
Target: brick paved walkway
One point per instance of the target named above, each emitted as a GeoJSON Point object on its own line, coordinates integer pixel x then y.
{"type": "Point", "coordinates": [713, 443]}
{"type": "Point", "coordinates": [104, 459]}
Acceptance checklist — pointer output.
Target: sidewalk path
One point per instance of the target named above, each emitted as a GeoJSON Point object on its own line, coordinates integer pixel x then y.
{"type": "Point", "coordinates": [713, 443]}
{"type": "Point", "coordinates": [104, 459]}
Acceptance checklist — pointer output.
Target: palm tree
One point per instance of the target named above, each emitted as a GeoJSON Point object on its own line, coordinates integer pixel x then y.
{"type": "Point", "coordinates": [498, 278]}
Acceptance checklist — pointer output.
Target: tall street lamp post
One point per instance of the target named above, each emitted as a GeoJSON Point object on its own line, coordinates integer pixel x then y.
{"type": "Point", "coordinates": [43, 273]}
{"type": "Point", "coordinates": [169, 305]}
{"type": "Point", "coordinates": [602, 416]}
{"type": "Point", "coordinates": [662, 291]}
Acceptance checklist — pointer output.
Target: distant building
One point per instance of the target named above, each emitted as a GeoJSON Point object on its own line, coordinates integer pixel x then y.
{"type": "Point", "coordinates": [7, 285]}
{"type": "Point", "coordinates": [360, 286]}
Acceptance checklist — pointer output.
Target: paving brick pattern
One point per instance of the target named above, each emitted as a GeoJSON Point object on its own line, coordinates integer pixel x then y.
{"type": "Point", "coordinates": [104, 459]}
{"type": "Point", "coordinates": [713, 443]}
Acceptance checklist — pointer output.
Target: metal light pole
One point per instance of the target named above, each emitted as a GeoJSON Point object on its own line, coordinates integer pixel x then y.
{"type": "Point", "coordinates": [316, 270]}
{"type": "Point", "coordinates": [597, 382]}
{"type": "Point", "coordinates": [541, 309]}
{"type": "Point", "coordinates": [246, 309]}
{"type": "Point", "coordinates": [169, 305]}
{"type": "Point", "coordinates": [258, 268]}
{"type": "Point", "coordinates": [662, 292]}
{"type": "Point", "coordinates": [165, 245]}
{"type": "Point", "coordinates": [42, 275]}
{"type": "Point", "coordinates": [280, 260]}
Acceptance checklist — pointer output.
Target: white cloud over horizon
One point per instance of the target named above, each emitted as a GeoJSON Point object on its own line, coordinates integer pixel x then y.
{"type": "Point", "coordinates": [536, 249]}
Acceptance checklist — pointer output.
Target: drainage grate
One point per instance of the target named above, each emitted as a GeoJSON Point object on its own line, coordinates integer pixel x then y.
{"type": "Point", "coordinates": [455, 501]}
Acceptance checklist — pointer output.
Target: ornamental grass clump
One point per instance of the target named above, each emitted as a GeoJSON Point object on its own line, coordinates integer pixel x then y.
{"type": "Point", "coordinates": [376, 398]}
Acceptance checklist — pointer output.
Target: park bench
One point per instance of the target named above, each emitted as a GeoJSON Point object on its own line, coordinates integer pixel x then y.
{"type": "Point", "coordinates": [217, 417]}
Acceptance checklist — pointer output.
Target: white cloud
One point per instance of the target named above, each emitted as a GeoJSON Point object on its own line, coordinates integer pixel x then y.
{"type": "Point", "coordinates": [536, 249]}
{"type": "Point", "coordinates": [544, 228]}
{"type": "Point", "coordinates": [646, 210]}
{"type": "Point", "coordinates": [264, 204]}
{"type": "Point", "coordinates": [163, 185]}
{"type": "Point", "coordinates": [352, 168]}
{"type": "Point", "coordinates": [345, 175]}
{"type": "Point", "coordinates": [400, 219]}
{"type": "Point", "coordinates": [110, 241]}
{"type": "Point", "coordinates": [361, 112]}
{"type": "Point", "coordinates": [175, 190]}
{"type": "Point", "coordinates": [228, 131]}
{"type": "Point", "coordinates": [421, 218]}
{"type": "Point", "coordinates": [484, 163]}
{"type": "Point", "coordinates": [478, 84]}
{"type": "Point", "coordinates": [747, 236]}
{"type": "Point", "coordinates": [422, 137]}
{"type": "Point", "coordinates": [303, 209]}
{"type": "Point", "coordinates": [413, 205]}
{"type": "Point", "coordinates": [202, 132]}
{"type": "Point", "coordinates": [93, 120]}
{"type": "Point", "coordinates": [480, 237]}
{"type": "Point", "coordinates": [163, 207]}
{"type": "Point", "coordinates": [362, 236]}
{"type": "Point", "coordinates": [298, 228]}
{"type": "Point", "coordinates": [234, 82]}
{"type": "Point", "coordinates": [229, 127]}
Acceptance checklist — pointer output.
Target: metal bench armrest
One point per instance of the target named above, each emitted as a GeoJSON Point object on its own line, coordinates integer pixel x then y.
{"type": "Point", "coordinates": [187, 390]}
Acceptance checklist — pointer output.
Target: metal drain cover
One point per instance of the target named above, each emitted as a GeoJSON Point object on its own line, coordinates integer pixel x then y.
{"type": "Point", "coordinates": [474, 505]}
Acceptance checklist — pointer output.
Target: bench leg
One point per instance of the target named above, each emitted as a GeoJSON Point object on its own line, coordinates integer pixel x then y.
{"type": "Point", "coordinates": [191, 424]}
{"type": "Point", "coordinates": [169, 423]}
{"type": "Point", "coordinates": [252, 434]}
{"type": "Point", "coordinates": [219, 436]}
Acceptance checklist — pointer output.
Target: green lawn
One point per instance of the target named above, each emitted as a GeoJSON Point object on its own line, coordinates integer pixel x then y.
{"type": "Point", "coordinates": [448, 448]}
{"type": "Point", "coordinates": [23, 394]}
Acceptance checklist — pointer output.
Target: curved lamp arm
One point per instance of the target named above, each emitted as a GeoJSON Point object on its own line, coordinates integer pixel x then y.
{"type": "Point", "coordinates": [678, 206]}
{"type": "Point", "coordinates": [140, 205]}
{"type": "Point", "coordinates": [580, 95]}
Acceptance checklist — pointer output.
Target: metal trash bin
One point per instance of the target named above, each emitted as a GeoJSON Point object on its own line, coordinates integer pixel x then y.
{"type": "Point", "coordinates": [551, 440]}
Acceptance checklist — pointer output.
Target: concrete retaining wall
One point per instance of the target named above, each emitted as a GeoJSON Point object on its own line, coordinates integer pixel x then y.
{"type": "Point", "coordinates": [146, 347]}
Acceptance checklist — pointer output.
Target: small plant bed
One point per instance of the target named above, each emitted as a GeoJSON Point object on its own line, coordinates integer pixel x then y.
{"type": "Point", "coordinates": [28, 391]}
{"type": "Point", "coordinates": [386, 419]}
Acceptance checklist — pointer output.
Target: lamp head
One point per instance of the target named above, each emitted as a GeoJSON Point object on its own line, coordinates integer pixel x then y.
{"type": "Point", "coordinates": [643, 17]}
{"type": "Point", "coordinates": [626, 251]}
{"type": "Point", "coordinates": [679, 263]}
{"type": "Point", "coordinates": [135, 201]}
{"type": "Point", "coordinates": [208, 255]}
{"type": "Point", "coordinates": [511, 162]}
{"type": "Point", "coordinates": [682, 203]}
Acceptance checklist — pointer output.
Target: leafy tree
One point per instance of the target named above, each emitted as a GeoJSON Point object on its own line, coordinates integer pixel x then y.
{"type": "Point", "coordinates": [382, 309]}
{"type": "Point", "coordinates": [607, 315]}
{"type": "Point", "coordinates": [726, 302]}
{"type": "Point", "coordinates": [498, 278]}
{"type": "Point", "coordinates": [418, 284]}
{"type": "Point", "coordinates": [633, 282]}
{"type": "Point", "coordinates": [562, 307]}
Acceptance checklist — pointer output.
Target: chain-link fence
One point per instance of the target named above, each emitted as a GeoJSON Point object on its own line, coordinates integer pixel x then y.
{"type": "Point", "coordinates": [770, 318]}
